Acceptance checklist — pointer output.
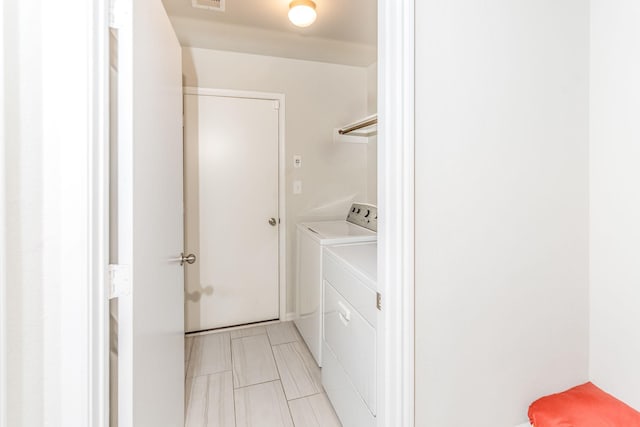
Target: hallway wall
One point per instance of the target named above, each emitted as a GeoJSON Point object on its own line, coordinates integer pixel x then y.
{"type": "Point", "coordinates": [615, 198]}
{"type": "Point", "coordinates": [372, 146]}
{"type": "Point", "coordinates": [502, 110]}
{"type": "Point", "coordinates": [46, 258]}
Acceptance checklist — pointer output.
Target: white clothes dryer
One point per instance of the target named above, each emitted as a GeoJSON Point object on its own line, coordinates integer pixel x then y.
{"type": "Point", "coordinates": [360, 226]}
{"type": "Point", "coordinates": [349, 350]}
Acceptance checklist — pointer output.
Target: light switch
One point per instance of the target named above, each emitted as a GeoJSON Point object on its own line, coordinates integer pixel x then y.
{"type": "Point", "coordinates": [297, 161]}
{"type": "Point", "coordinates": [297, 187]}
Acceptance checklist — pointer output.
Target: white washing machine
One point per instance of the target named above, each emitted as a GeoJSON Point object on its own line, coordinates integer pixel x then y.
{"type": "Point", "coordinates": [360, 226]}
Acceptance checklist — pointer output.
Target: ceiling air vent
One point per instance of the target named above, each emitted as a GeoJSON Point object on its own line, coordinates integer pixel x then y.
{"type": "Point", "coordinates": [217, 5]}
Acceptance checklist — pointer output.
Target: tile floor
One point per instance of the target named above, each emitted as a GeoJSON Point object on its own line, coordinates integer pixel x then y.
{"type": "Point", "coordinates": [263, 376]}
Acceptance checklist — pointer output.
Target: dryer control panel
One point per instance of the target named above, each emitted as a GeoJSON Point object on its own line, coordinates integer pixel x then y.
{"type": "Point", "coordinates": [364, 215]}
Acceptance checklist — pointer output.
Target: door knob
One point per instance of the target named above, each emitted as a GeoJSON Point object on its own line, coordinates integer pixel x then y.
{"type": "Point", "coordinates": [272, 222]}
{"type": "Point", "coordinates": [189, 259]}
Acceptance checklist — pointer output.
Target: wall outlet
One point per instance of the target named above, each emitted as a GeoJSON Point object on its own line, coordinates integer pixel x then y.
{"type": "Point", "coordinates": [297, 161]}
{"type": "Point", "coordinates": [297, 187]}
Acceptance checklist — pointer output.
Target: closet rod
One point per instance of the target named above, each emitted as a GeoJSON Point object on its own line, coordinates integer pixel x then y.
{"type": "Point", "coordinates": [359, 125]}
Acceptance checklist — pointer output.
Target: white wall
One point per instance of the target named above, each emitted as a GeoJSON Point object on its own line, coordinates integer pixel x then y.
{"type": "Point", "coordinates": [501, 207]}
{"type": "Point", "coordinates": [615, 198]}
{"type": "Point", "coordinates": [319, 97]}
{"type": "Point", "coordinates": [372, 146]}
{"type": "Point", "coordinates": [47, 142]}
{"type": "Point", "coordinates": [372, 88]}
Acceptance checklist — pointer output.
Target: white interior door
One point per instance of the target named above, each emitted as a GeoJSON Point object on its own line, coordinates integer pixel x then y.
{"type": "Point", "coordinates": [231, 201]}
{"type": "Point", "coordinates": [149, 224]}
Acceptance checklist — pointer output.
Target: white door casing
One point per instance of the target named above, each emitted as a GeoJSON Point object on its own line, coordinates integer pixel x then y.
{"type": "Point", "coordinates": [149, 223]}
{"type": "Point", "coordinates": [395, 332]}
{"type": "Point", "coordinates": [232, 174]}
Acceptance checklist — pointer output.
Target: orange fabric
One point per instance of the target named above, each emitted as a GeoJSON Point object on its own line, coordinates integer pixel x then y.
{"type": "Point", "coordinates": [582, 406]}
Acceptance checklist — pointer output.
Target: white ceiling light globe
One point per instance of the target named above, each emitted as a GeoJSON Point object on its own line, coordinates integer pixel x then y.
{"type": "Point", "coordinates": [302, 13]}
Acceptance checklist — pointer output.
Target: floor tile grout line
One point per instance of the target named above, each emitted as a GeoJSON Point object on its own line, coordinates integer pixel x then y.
{"type": "Point", "coordinates": [268, 337]}
{"type": "Point", "coordinates": [233, 382]}
{"type": "Point", "coordinates": [212, 373]}
{"type": "Point", "coordinates": [188, 361]}
{"type": "Point", "coordinates": [206, 400]}
{"type": "Point", "coordinates": [260, 383]}
{"type": "Point", "coordinates": [305, 397]}
{"type": "Point", "coordinates": [233, 370]}
{"type": "Point", "coordinates": [275, 361]}
{"type": "Point", "coordinates": [283, 343]}
{"type": "Point", "coordinates": [233, 399]}
{"type": "Point", "coordinates": [250, 336]}
{"type": "Point", "coordinates": [288, 406]}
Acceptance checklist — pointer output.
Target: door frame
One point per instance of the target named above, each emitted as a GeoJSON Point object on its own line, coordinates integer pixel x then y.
{"type": "Point", "coordinates": [282, 226]}
{"type": "Point", "coordinates": [396, 236]}
{"type": "Point", "coordinates": [3, 238]}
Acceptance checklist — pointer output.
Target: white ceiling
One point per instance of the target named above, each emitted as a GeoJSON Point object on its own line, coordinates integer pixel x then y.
{"type": "Point", "coordinates": [345, 31]}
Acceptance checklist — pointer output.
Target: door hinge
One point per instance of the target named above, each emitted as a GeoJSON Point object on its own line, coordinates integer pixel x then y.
{"type": "Point", "coordinates": [379, 301]}
{"type": "Point", "coordinates": [119, 280]}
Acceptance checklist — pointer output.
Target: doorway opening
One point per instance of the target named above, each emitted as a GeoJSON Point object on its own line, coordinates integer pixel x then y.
{"type": "Point", "coordinates": [339, 161]}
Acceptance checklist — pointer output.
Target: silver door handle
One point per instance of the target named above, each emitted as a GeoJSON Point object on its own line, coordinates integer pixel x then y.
{"type": "Point", "coordinates": [272, 222]}
{"type": "Point", "coordinates": [189, 259]}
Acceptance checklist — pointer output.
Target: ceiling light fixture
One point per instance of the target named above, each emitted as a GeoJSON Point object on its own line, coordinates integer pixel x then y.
{"type": "Point", "coordinates": [302, 13]}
